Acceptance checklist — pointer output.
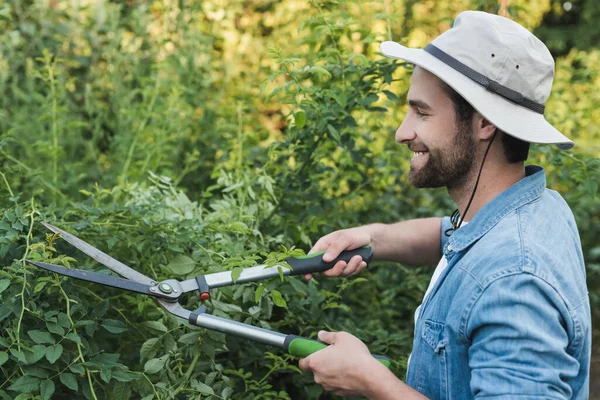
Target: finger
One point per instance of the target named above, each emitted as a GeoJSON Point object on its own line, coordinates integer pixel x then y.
{"type": "Point", "coordinates": [304, 364]}
{"type": "Point", "coordinates": [322, 244]}
{"type": "Point", "coordinates": [327, 337]}
{"type": "Point", "coordinates": [308, 277]}
{"type": "Point", "coordinates": [362, 266]}
{"type": "Point", "coordinates": [334, 250]}
{"type": "Point", "coordinates": [336, 270]}
{"type": "Point", "coordinates": [352, 266]}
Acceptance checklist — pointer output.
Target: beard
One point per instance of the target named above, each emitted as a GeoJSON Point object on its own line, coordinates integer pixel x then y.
{"type": "Point", "coordinates": [448, 167]}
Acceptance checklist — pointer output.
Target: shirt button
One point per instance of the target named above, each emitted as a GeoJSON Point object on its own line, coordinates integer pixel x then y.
{"type": "Point", "coordinates": [450, 247]}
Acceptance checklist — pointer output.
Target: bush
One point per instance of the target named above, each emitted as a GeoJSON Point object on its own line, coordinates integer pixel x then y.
{"type": "Point", "coordinates": [189, 140]}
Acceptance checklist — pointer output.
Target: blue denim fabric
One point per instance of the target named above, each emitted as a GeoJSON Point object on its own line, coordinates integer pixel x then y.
{"type": "Point", "coordinates": [510, 316]}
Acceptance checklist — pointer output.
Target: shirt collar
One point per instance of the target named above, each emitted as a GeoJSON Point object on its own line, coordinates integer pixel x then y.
{"type": "Point", "coordinates": [524, 191]}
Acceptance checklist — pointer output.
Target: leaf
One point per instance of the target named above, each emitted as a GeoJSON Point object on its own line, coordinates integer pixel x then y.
{"type": "Point", "coordinates": [105, 374]}
{"type": "Point", "coordinates": [259, 292]}
{"type": "Point", "coordinates": [189, 338]}
{"type": "Point", "coordinates": [47, 389]}
{"type": "Point", "coordinates": [181, 265]}
{"type": "Point", "coordinates": [41, 337]}
{"type": "Point", "coordinates": [69, 380]}
{"type": "Point", "coordinates": [114, 326]}
{"type": "Point", "coordinates": [203, 388]}
{"type": "Point", "coordinates": [156, 364]}
{"type": "Point", "coordinates": [36, 353]}
{"type": "Point", "coordinates": [278, 299]}
{"type": "Point", "coordinates": [4, 283]}
{"type": "Point", "coordinates": [319, 71]}
{"type": "Point", "coordinates": [391, 96]}
{"type": "Point", "coordinates": [300, 118]}
{"type": "Point", "coordinates": [3, 357]}
{"type": "Point", "coordinates": [235, 273]}
{"type": "Point", "coordinates": [226, 393]}
{"type": "Point", "coordinates": [334, 133]}
{"type": "Point", "coordinates": [55, 328]}
{"type": "Point", "coordinates": [18, 355]}
{"type": "Point", "coordinates": [156, 325]}
{"type": "Point", "coordinates": [122, 390]}
{"type": "Point", "coordinates": [77, 368]}
{"type": "Point", "coordinates": [53, 353]}
{"type": "Point", "coordinates": [148, 348]}
{"type": "Point", "coordinates": [25, 384]}
{"type": "Point", "coordinates": [590, 185]}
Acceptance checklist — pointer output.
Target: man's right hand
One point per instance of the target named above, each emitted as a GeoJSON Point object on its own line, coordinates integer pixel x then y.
{"type": "Point", "coordinates": [338, 241]}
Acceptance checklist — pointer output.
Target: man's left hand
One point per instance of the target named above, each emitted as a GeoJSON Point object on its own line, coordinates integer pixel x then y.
{"type": "Point", "coordinates": [342, 367]}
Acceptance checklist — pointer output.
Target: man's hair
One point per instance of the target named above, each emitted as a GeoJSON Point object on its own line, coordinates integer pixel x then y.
{"type": "Point", "coordinates": [515, 150]}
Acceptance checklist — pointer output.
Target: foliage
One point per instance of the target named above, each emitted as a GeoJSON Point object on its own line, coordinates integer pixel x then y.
{"type": "Point", "coordinates": [186, 138]}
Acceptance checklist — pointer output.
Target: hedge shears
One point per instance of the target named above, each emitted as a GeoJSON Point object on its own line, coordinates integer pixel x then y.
{"type": "Point", "coordinates": [168, 292]}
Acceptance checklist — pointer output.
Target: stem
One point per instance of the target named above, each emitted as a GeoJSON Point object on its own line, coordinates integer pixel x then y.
{"type": "Point", "coordinates": [141, 127]}
{"type": "Point", "coordinates": [27, 243]}
{"type": "Point", "coordinates": [88, 373]}
{"type": "Point", "coordinates": [7, 184]}
{"type": "Point", "coordinates": [188, 373]}
{"type": "Point", "coordinates": [50, 68]}
{"type": "Point", "coordinates": [387, 19]}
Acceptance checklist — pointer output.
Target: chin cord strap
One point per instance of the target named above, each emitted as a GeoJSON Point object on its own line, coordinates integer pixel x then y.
{"type": "Point", "coordinates": [455, 219]}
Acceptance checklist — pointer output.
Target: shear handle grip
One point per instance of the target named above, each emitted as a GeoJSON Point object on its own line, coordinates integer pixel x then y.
{"type": "Point", "coordinates": [299, 346]}
{"type": "Point", "coordinates": [312, 263]}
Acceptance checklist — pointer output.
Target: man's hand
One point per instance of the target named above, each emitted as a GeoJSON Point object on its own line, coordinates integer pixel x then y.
{"type": "Point", "coordinates": [345, 367]}
{"type": "Point", "coordinates": [338, 241]}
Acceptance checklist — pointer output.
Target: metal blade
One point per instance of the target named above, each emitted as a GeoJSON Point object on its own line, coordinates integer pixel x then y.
{"type": "Point", "coordinates": [95, 277]}
{"type": "Point", "coordinates": [101, 257]}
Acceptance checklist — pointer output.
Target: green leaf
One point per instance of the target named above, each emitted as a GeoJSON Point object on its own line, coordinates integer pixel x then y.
{"type": "Point", "coordinates": [36, 353]}
{"type": "Point", "coordinates": [590, 185]}
{"type": "Point", "coordinates": [55, 328]}
{"type": "Point", "coordinates": [300, 118]}
{"type": "Point", "coordinates": [53, 353]}
{"type": "Point", "coordinates": [259, 292]}
{"type": "Point", "coordinates": [334, 133]}
{"type": "Point", "coordinates": [319, 71]}
{"type": "Point", "coordinates": [47, 389]}
{"type": "Point", "coordinates": [18, 355]}
{"type": "Point", "coordinates": [391, 96]}
{"type": "Point", "coordinates": [156, 325]}
{"type": "Point", "coordinates": [235, 273]}
{"type": "Point", "coordinates": [25, 384]}
{"type": "Point", "coordinates": [122, 390]}
{"type": "Point", "coordinates": [156, 364]}
{"type": "Point", "coordinates": [278, 299]}
{"type": "Point", "coordinates": [3, 357]}
{"type": "Point", "coordinates": [181, 265]}
{"type": "Point", "coordinates": [69, 380]}
{"type": "Point", "coordinates": [105, 374]}
{"type": "Point", "coordinates": [149, 348]}
{"type": "Point", "coordinates": [4, 283]}
{"type": "Point", "coordinates": [77, 368]}
{"type": "Point", "coordinates": [189, 338]}
{"type": "Point", "coordinates": [41, 337]}
{"type": "Point", "coordinates": [203, 388]}
{"type": "Point", "coordinates": [114, 326]}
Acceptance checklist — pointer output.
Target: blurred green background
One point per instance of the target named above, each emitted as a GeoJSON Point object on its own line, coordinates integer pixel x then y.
{"type": "Point", "coordinates": [187, 137]}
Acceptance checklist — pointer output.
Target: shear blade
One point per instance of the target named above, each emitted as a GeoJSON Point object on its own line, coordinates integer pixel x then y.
{"type": "Point", "coordinates": [95, 277]}
{"type": "Point", "coordinates": [102, 258]}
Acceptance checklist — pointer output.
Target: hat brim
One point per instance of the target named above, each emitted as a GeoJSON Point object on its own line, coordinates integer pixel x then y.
{"type": "Point", "coordinates": [509, 117]}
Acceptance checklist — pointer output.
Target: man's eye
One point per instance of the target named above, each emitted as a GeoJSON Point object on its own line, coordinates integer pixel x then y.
{"type": "Point", "coordinates": [420, 114]}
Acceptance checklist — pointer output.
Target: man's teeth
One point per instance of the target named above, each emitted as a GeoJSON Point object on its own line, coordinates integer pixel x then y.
{"type": "Point", "coordinates": [419, 153]}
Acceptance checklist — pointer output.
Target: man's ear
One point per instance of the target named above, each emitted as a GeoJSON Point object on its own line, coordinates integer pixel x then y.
{"type": "Point", "coordinates": [484, 129]}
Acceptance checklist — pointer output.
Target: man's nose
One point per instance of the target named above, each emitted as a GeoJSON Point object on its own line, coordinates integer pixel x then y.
{"type": "Point", "coordinates": [405, 132]}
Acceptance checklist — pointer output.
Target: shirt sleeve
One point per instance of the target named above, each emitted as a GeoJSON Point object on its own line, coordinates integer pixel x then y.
{"type": "Point", "coordinates": [518, 329]}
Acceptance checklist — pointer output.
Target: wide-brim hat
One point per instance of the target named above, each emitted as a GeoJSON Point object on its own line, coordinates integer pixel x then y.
{"type": "Point", "coordinates": [499, 67]}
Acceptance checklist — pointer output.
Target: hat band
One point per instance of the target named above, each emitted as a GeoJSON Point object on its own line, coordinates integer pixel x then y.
{"type": "Point", "coordinates": [484, 81]}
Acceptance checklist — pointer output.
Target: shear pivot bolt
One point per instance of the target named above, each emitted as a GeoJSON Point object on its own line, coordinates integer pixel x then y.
{"type": "Point", "coordinates": [165, 288]}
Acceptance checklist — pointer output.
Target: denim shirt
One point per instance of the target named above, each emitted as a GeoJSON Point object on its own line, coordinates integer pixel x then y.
{"type": "Point", "coordinates": [509, 317]}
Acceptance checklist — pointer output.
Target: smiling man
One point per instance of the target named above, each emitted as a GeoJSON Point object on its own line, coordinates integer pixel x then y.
{"type": "Point", "coordinates": [506, 315]}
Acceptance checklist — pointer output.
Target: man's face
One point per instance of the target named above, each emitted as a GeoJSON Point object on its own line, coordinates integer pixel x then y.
{"type": "Point", "coordinates": [444, 150]}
